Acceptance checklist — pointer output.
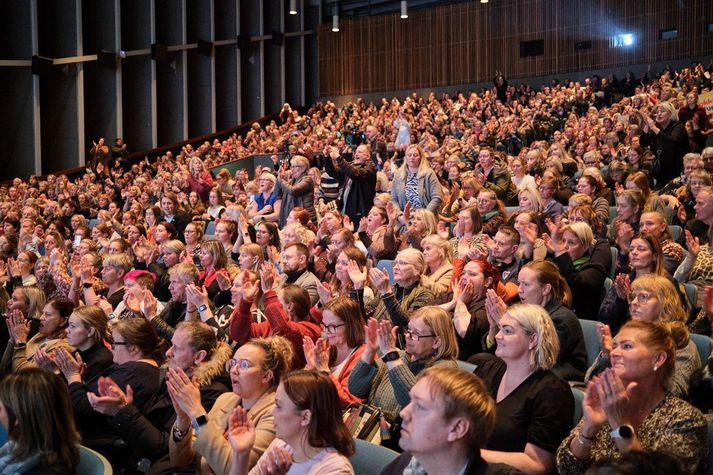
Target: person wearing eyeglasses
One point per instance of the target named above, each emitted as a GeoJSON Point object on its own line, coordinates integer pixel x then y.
{"type": "Point", "coordinates": [384, 375]}
{"type": "Point", "coordinates": [136, 372]}
{"type": "Point", "coordinates": [654, 298]}
{"type": "Point", "coordinates": [255, 371]}
{"type": "Point", "coordinates": [340, 347]}
{"type": "Point", "coordinates": [296, 191]}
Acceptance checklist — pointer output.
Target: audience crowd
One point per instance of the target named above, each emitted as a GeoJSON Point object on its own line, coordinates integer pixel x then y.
{"type": "Point", "coordinates": [180, 318]}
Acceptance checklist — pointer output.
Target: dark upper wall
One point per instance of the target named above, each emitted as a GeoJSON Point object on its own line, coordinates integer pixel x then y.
{"type": "Point", "coordinates": [52, 118]}
{"type": "Point", "coordinates": [468, 42]}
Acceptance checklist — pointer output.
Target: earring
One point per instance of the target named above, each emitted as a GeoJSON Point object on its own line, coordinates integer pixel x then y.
{"type": "Point", "coordinates": [656, 368]}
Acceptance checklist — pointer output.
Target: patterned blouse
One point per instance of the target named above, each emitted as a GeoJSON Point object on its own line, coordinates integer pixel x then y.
{"type": "Point", "coordinates": [412, 195]}
{"type": "Point", "coordinates": [673, 426]}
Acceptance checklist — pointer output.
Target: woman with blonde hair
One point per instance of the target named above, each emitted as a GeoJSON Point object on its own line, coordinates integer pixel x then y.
{"type": "Point", "coordinates": [438, 257]}
{"type": "Point", "coordinates": [409, 292]}
{"type": "Point", "coordinates": [654, 298]}
{"type": "Point", "coordinates": [416, 183]}
{"type": "Point", "coordinates": [534, 407]}
{"type": "Point", "coordinates": [250, 257]}
{"type": "Point", "coordinates": [422, 224]}
{"type": "Point", "coordinates": [386, 380]}
{"type": "Point", "coordinates": [572, 246]}
{"type": "Point", "coordinates": [87, 329]}
{"type": "Point", "coordinates": [199, 179]}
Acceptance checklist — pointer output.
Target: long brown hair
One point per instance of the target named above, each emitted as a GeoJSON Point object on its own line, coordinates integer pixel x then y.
{"type": "Point", "coordinates": [314, 391]}
{"type": "Point", "coordinates": [40, 420]}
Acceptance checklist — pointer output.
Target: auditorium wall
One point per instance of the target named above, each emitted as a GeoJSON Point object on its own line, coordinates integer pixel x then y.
{"type": "Point", "coordinates": [468, 42]}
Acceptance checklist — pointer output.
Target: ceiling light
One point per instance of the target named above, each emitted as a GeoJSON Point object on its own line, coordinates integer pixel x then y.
{"type": "Point", "coordinates": [404, 9]}
{"type": "Point", "coordinates": [293, 7]}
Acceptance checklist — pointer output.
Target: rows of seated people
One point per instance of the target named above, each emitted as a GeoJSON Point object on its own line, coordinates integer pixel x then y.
{"type": "Point", "coordinates": [194, 317]}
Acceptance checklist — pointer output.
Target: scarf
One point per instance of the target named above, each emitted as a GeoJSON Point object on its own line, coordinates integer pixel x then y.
{"type": "Point", "coordinates": [9, 466]}
{"type": "Point", "coordinates": [577, 263]}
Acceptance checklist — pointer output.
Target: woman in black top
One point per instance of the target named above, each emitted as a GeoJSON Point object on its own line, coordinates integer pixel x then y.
{"type": "Point", "coordinates": [534, 408]}
{"type": "Point", "coordinates": [137, 355]}
{"type": "Point", "coordinates": [87, 329]}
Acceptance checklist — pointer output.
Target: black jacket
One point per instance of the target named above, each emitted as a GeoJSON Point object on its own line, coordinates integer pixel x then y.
{"type": "Point", "coordinates": [360, 198]}
{"type": "Point", "coordinates": [668, 146]}
{"type": "Point", "coordinates": [572, 360]}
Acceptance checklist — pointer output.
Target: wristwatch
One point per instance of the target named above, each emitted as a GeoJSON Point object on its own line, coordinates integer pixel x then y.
{"type": "Point", "coordinates": [199, 422]}
{"type": "Point", "coordinates": [624, 432]}
{"type": "Point", "coordinates": [390, 356]}
{"type": "Point", "coordinates": [87, 285]}
{"type": "Point", "coordinates": [202, 308]}
{"type": "Point", "coordinates": [178, 434]}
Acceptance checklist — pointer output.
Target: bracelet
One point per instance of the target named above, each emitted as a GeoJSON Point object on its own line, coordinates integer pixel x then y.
{"type": "Point", "coordinates": [583, 441]}
{"type": "Point", "coordinates": [585, 437]}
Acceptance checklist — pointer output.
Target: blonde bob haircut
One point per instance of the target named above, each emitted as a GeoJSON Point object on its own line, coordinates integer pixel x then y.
{"type": "Point", "coordinates": [443, 245]}
{"type": "Point", "coordinates": [463, 395]}
{"type": "Point", "coordinates": [534, 320]}
{"type": "Point", "coordinates": [429, 220]}
{"type": "Point", "coordinates": [414, 257]}
{"type": "Point", "coordinates": [441, 324]}
{"type": "Point", "coordinates": [534, 197]}
{"type": "Point", "coordinates": [582, 231]}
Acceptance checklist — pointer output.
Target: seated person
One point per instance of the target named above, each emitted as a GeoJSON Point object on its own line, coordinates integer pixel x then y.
{"type": "Point", "coordinates": [448, 420]}
{"type": "Point", "coordinates": [628, 407]}
{"type": "Point", "coordinates": [255, 370]}
{"type": "Point", "coordinates": [534, 408]}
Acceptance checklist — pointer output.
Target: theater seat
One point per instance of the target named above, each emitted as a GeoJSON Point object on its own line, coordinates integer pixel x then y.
{"type": "Point", "coordinates": [92, 463]}
{"type": "Point", "coordinates": [591, 339]}
{"type": "Point", "coordinates": [703, 345]}
{"type": "Point", "coordinates": [388, 266]}
{"type": "Point", "coordinates": [464, 365]}
{"type": "Point", "coordinates": [578, 402]}
{"type": "Point", "coordinates": [370, 458]}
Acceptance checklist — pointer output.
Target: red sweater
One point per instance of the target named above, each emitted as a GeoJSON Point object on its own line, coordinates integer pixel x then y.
{"type": "Point", "coordinates": [278, 322]}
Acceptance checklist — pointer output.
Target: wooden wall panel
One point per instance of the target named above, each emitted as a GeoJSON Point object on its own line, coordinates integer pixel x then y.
{"type": "Point", "coordinates": [468, 42]}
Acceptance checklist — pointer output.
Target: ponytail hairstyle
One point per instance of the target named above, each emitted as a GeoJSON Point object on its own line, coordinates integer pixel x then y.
{"type": "Point", "coordinates": [548, 274]}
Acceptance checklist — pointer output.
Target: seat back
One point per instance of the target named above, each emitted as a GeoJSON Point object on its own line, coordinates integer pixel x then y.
{"type": "Point", "coordinates": [614, 257]}
{"type": "Point", "coordinates": [675, 231]}
{"type": "Point", "coordinates": [612, 214]}
{"type": "Point", "coordinates": [692, 294]}
{"type": "Point", "coordinates": [591, 339]}
{"type": "Point", "coordinates": [210, 228]}
{"type": "Point", "coordinates": [464, 365]}
{"type": "Point", "coordinates": [92, 463]}
{"type": "Point", "coordinates": [388, 266]}
{"type": "Point", "coordinates": [370, 458]}
{"type": "Point", "coordinates": [704, 345]}
{"type": "Point", "coordinates": [578, 402]}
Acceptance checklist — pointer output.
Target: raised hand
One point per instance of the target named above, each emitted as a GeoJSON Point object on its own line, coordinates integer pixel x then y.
{"type": "Point", "coordinates": [356, 274]}
{"type": "Point", "coordinates": [392, 211]}
{"type": "Point", "coordinates": [71, 367]}
{"type": "Point", "coordinates": [380, 278]}
{"type": "Point", "coordinates": [111, 399]}
{"type": "Point", "coordinates": [249, 289]}
{"type": "Point", "coordinates": [267, 276]}
{"type": "Point", "coordinates": [197, 295]}
{"type": "Point", "coordinates": [18, 325]}
{"type": "Point", "coordinates": [442, 230]}
{"type": "Point", "coordinates": [149, 305]}
{"type": "Point", "coordinates": [530, 233]}
{"type": "Point", "coordinates": [605, 338]}
{"type": "Point", "coordinates": [622, 286]}
{"type": "Point", "coordinates": [693, 244]}
{"type": "Point", "coordinates": [386, 335]}
{"type": "Point", "coordinates": [241, 431]}
{"type": "Point", "coordinates": [371, 336]}
{"type": "Point", "coordinates": [348, 224]}
{"type": "Point", "coordinates": [616, 398]}
{"type": "Point", "coordinates": [592, 411]}
{"type": "Point", "coordinates": [324, 292]}
{"type": "Point", "coordinates": [363, 224]}
{"type": "Point", "coordinates": [185, 392]}
{"type": "Point", "coordinates": [407, 212]}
